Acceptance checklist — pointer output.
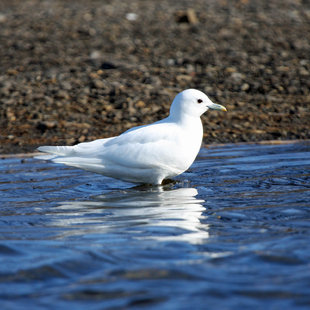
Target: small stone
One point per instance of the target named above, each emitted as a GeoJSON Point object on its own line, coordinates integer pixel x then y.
{"type": "Point", "coordinates": [12, 71]}
{"type": "Point", "coordinates": [88, 17]}
{"type": "Point", "coordinates": [99, 84]}
{"type": "Point", "coordinates": [245, 87]}
{"type": "Point", "coordinates": [70, 141]}
{"type": "Point", "coordinates": [50, 124]}
{"type": "Point", "coordinates": [303, 71]}
{"type": "Point", "coordinates": [283, 69]}
{"type": "Point", "coordinates": [2, 18]}
{"type": "Point", "coordinates": [237, 76]}
{"type": "Point", "coordinates": [183, 77]}
{"type": "Point", "coordinates": [82, 138]}
{"type": "Point", "coordinates": [192, 17]}
{"type": "Point", "coordinates": [131, 16]}
{"type": "Point", "coordinates": [95, 55]}
{"type": "Point", "coordinates": [66, 85]}
{"type": "Point", "coordinates": [140, 104]}
{"type": "Point", "coordinates": [230, 69]}
{"type": "Point", "coordinates": [43, 126]}
{"type": "Point", "coordinates": [62, 94]}
{"type": "Point", "coordinates": [11, 116]}
{"type": "Point", "coordinates": [189, 17]}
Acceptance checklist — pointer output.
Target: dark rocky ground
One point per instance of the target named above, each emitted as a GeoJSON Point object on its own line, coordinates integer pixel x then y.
{"type": "Point", "coordinates": [77, 70]}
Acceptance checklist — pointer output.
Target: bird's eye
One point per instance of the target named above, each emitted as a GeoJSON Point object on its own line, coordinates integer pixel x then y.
{"type": "Point", "coordinates": [199, 100]}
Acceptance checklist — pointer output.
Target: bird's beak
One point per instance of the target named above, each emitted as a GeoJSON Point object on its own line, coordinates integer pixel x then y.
{"type": "Point", "coordinates": [215, 106]}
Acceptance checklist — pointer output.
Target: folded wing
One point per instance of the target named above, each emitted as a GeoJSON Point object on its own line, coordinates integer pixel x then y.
{"type": "Point", "coordinates": [142, 147]}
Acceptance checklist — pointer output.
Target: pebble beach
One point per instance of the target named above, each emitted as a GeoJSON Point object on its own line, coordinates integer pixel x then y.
{"type": "Point", "coordinates": [75, 71]}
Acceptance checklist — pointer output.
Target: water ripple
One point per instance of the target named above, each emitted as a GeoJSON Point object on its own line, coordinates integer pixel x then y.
{"type": "Point", "coordinates": [233, 232]}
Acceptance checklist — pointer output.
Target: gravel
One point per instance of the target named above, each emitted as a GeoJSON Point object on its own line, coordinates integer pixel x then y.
{"type": "Point", "coordinates": [74, 71]}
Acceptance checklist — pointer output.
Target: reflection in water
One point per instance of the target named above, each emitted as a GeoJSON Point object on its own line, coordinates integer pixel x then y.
{"type": "Point", "coordinates": [157, 214]}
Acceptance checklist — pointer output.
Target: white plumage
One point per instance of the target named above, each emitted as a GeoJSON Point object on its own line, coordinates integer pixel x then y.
{"type": "Point", "coordinates": [144, 154]}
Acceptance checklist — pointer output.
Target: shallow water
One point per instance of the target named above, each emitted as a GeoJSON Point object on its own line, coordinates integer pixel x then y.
{"type": "Point", "coordinates": [233, 233]}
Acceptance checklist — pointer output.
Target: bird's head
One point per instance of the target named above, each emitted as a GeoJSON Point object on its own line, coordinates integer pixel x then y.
{"type": "Point", "coordinates": [192, 102]}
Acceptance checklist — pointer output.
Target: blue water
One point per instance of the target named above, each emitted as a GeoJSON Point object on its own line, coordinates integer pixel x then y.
{"type": "Point", "coordinates": [232, 233]}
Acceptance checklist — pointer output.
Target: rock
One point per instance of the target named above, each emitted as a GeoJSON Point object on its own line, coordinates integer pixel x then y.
{"type": "Point", "coordinates": [3, 18]}
{"type": "Point", "coordinates": [140, 104]}
{"type": "Point", "coordinates": [183, 77]}
{"type": "Point", "coordinates": [189, 16]}
{"type": "Point", "coordinates": [131, 16]}
{"type": "Point", "coordinates": [62, 94]}
{"type": "Point", "coordinates": [43, 126]}
{"type": "Point", "coordinates": [245, 87]}
{"type": "Point", "coordinates": [98, 83]}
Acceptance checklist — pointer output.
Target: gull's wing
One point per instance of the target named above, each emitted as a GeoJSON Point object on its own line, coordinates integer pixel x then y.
{"type": "Point", "coordinates": [149, 145]}
{"type": "Point", "coordinates": [142, 147]}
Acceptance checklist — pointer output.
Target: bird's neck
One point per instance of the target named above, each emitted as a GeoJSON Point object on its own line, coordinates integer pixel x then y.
{"type": "Point", "coordinates": [191, 135]}
{"type": "Point", "coordinates": [186, 120]}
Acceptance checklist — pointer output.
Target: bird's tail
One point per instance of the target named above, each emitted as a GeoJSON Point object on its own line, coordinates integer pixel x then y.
{"type": "Point", "coordinates": [57, 150]}
{"type": "Point", "coordinates": [68, 155]}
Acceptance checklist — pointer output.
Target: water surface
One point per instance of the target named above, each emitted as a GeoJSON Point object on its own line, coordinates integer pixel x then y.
{"type": "Point", "coordinates": [232, 233]}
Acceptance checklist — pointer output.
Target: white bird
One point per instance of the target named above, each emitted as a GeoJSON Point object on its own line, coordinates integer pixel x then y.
{"type": "Point", "coordinates": [144, 154]}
